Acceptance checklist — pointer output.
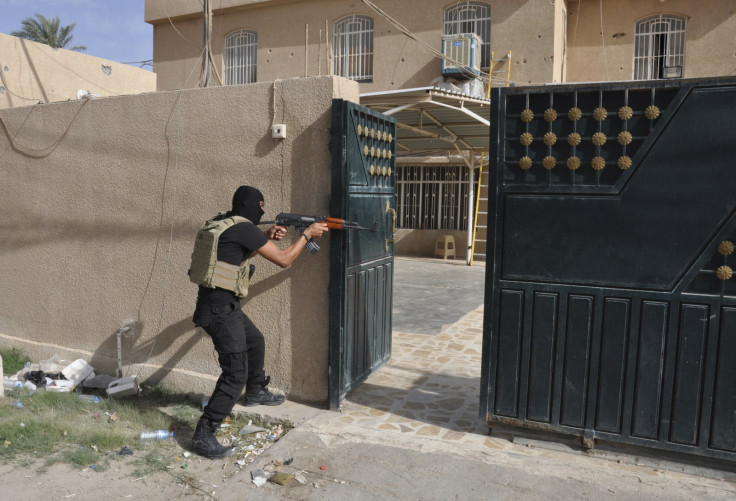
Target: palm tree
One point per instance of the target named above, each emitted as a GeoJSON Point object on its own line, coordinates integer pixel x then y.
{"type": "Point", "coordinates": [48, 31]}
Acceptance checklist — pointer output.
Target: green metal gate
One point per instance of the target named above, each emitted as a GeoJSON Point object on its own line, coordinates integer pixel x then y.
{"type": "Point", "coordinates": [610, 302]}
{"type": "Point", "coordinates": [361, 263]}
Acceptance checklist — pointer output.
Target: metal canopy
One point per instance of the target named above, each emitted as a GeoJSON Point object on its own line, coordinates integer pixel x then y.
{"type": "Point", "coordinates": [431, 120]}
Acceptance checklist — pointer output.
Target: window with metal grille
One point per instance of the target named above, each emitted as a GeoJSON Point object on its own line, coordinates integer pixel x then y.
{"type": "Point", "coordinates": [432, 198]}
{"type": "Point", "coordinates": [241, 49]}
{"type": "Point", "coordinates": [353, 48]}
{"type": "Point", "coordinates": [471, 17]}
{"type": "Point", "coordinates": [659, 47]}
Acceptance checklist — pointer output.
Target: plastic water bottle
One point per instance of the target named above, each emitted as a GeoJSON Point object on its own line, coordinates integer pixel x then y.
{"type": "Point", "coordinates": [156, 435]}
{"type": "Point", "coordinates": [90, 398]}
{"type": "Point", "coordinates": [12, 385]}
{"type": "Point", "coordinates": [18, 404]}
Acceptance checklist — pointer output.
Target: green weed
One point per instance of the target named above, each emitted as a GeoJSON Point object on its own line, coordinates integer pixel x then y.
{"type": "Point", "coordinates": [13, 360]}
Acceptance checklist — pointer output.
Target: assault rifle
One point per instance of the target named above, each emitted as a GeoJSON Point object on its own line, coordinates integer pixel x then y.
{"type": "Point", "coordinates": [301, 222]}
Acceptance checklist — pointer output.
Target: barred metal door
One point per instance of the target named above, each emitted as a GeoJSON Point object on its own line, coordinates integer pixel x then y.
{"type": "Point", "coordinates": [610, 303]}
{"type": "Point", "coordinates": [361, 266]}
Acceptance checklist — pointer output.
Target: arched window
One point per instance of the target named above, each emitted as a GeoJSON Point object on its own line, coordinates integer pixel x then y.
{"type": "Point", "coordinates": [659, 47]}
{"type": "Point", "coordinates": [471, 17]}
{"type": "Point", "coordinates": [241, 49]}
{"type": "Point", "coordinates": [353, 48]}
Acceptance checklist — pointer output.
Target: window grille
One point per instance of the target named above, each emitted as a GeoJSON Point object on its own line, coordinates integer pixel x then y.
{"type": "Point", "coordinates": [659, 43]}
{"type": "Point", "coordinates": [241, 50]}
{"type": "Point", "coordinates": [353, 48]}
{"type": "Point", "coordinates": [432, 198]}
{"type": "Point", "coordinates": [471, 17]}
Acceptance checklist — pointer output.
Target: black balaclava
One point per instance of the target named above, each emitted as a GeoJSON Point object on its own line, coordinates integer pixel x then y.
{"type": "Point", "coordinates": [247, 203]}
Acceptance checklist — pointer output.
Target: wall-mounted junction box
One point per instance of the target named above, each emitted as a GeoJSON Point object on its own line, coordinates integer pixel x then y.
{"type": "Point", "coordinates": [278, 131]}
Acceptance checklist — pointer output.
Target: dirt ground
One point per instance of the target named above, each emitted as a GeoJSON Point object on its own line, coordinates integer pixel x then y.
{"type": "Point", "coordinates": [189, 478]}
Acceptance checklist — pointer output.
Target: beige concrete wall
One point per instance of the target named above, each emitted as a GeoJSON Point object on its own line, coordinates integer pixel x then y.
{"type": "Point", "coordinates": [710, 38]}
{"type": "Point", "coordinates": [101, 200]}
{"type": "Point", "coordinates": [525, 27]}
{"type": "Point", "coordinates": [421, 243]}
{"type": "Point", "coordinates": [32, 73]}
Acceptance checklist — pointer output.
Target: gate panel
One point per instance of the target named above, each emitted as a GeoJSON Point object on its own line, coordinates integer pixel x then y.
{"type": "Point", "coordinates": [610, 302]}
{"type": "Point", "coordinates": [361, 265]}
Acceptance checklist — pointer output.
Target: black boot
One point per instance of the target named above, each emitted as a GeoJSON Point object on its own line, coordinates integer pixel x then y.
{"type": "Point", "coordinates": [259, 395]}
{"type": "Point", "coordinates": [204, 442]}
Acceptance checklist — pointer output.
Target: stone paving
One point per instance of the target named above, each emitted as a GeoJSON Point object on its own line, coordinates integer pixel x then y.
{"type": "Point", "coordinates": [430, 387]}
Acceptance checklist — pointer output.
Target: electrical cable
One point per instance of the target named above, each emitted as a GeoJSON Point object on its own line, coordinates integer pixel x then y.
{"type": "Point", "coordinates": [176, 108]}
{"type": "Point", "coordinates": [5, 84]}
{"type": "Point", "coordinates": [603, 42]}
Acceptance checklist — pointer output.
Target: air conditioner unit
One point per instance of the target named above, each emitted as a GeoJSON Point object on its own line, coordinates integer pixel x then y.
{"type": "Point", "coordinates": [464, 52]}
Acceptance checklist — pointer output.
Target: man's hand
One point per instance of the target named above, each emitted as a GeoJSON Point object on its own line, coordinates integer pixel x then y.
{"type": "Point", "coordinates": [315, 230]}
{"type": "Point", "coordinates": [275, 232]}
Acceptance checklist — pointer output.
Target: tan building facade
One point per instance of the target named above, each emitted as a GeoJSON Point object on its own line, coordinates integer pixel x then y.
{"type": "Point", "coordinates": [33, 73]}
{"type": "Point", "coordinates": [101, 201]}
{"type": "Point", "coordinates": [392, 47]}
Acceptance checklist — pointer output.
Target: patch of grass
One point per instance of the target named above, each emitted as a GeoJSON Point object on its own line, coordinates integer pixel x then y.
{"type": "Point", "coordinates": [13, 360]}
{"type": "Point", "coordinates": [62, 427]}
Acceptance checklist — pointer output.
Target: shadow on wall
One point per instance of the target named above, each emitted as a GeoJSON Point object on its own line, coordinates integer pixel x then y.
{"type": "Point", "coordinates": [134, 351]}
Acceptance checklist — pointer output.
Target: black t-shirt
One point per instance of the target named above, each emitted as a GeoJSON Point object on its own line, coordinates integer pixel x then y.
{"type": "Point", "coordinates": [235, 245]}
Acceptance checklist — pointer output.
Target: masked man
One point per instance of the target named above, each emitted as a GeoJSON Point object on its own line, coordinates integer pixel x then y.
{"type": "Point", "coordinates": [221, 266]}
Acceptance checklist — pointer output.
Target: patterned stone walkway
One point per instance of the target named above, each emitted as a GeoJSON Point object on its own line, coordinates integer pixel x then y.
{"type": "Point", "coordinates": [430, 387]}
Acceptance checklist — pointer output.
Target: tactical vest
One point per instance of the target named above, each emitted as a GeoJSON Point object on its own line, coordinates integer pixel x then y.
{"type": "Point", "coordinates": [207, 271]}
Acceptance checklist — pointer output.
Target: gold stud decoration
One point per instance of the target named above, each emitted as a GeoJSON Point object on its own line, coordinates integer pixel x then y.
{"type": "Point", "coordinates": [526, 139]}
{"type": "Point", "coordinates": [725, 248]}
{"type": "Point", "coordinates": [599, 139]}
{"type": "Point", "coordinates": [527, 115]}
{"type": "Point", "coordinates": [623, 162]}
{"type": "Point", "coordinates": [525, 163]}
{"type": "Point", "coordinates": [550, 115]}
{"type": "Point", "coordinates": [598, 163]}
{"type": "Point", "coordinates": [383, 153]}
{"type": "Point", "coordinates": [384, 171]}
{"type": "Point", "coordinates": [384, 135]}
{"type": "Point", "coordinates": [549, 162]}
{"type": "Point", "coordinates": [389, 172]}
{"type": "Point", "coordinates": [390, 138]}
{"type": "Point", "coordinates": [574, 139]}
{"type": "Point", "coordinates": [652, 112]}
{"type": "Point", "coordinates": [724, 272]}
{"type": "Point", "coordinates": [625, 137]}
{"type": "Point", "coordinates": [365, 150]}
{"type": "Point", "coordinates": [625, 112]}
{"type": "Point", "coordinates": [373, 132]}
{"type": "Point", "coordinates": [600, 113]}
{"type": "Point", "coordinates": [389, 154]}
{"type": "Point", "coordinates": [373, 151]}
{"type": "Point", "coordinates": [372, 170]}
{"type": "Point", "coordinates": [550, 138]}
{"type": "Point", "coordinates": [574, 114]}
{"type": "Point", "coordinates": [573, 163]}
{"type": "Point", "coordinates": [360, 130]}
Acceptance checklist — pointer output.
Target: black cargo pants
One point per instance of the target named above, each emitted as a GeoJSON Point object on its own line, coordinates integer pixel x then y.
{"type": "Point", "coordinates": [241, 350]}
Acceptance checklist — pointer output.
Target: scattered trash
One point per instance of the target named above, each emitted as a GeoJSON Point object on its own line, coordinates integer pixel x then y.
{"type": "Point", "coordinates": [184, 466]}
{"type": "Point", "coordinates": [98, 382]}
{"type": "Point", "coordinates": [127, 386]}
{"type": "Point", "coordinates": [289, 461]}
{"type": "Point", "coordinates": [187, 454]}
{"type": "Point", "coordinates": [18, 404]}
{"type": "Point", "coordinates": [249, 428]}
{"type": "Point", "coordinates": [59, 386]}
{"type": "Point", "coordinates": [114, 417]}
{"type": "Point", "coordinates": [281, 478]}
{"type": "Point", "coordinates": [90, 398]}
{"type": "Point", "coordinates": [22, 425]}
{"type": "Point", "coordinates": [93, 466]}
{"type": "Point", "coordinates": [258, 477]}
{"type": "Point", "coordinates": [35, 377]}
{"type": "Point", "coordinates": [78, 371]}
{"type": "Point", "coordinates": [323, 467]}
{"type": "Point", "coordinates": [125, 451]}
{"type": "Point", "coordinates": [204, 403]}
{"type": "Point", "coordinates": [155, 435]}
{"type": "Point", "coordinates": [6, 443]}
{"type": "Point", "coordinates": [299, 477]}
